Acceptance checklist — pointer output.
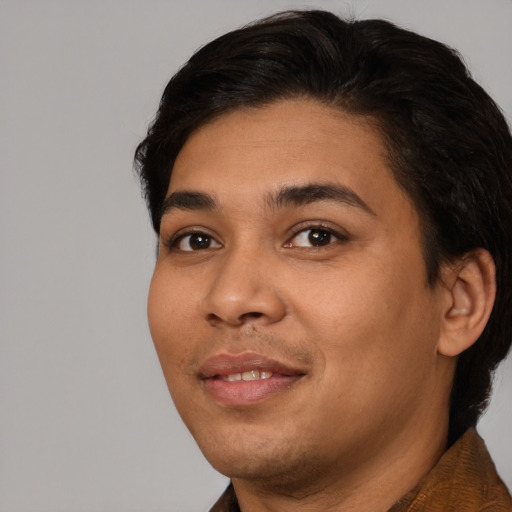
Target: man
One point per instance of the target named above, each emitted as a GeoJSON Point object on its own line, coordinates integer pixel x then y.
{"type": "Point", "coordinates": [333, 202]}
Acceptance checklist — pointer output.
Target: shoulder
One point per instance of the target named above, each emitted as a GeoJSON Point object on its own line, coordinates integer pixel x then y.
{"type": "Point", "coordinates": [464, 480]}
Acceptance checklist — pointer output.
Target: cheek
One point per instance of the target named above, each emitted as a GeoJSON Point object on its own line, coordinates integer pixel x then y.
{"type": "Point", "coordinates": [370, 319]}
{"type": "Point", "coordinates": [168, 311]}
{"type": "Point", "coordinates": [379, 354]}
{"type": "Point", "coordinates": [160, 307]}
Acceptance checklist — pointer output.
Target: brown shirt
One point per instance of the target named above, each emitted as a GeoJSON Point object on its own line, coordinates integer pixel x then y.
{"type": "Point", "coordinates": [464, 480]}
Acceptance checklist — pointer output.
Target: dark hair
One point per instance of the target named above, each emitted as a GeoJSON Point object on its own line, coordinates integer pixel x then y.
{"type": "Point", "coordinates": [449, 145]}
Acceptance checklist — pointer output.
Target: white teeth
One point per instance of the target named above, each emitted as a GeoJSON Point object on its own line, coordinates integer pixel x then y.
{"type": "Point", "coordinates": [233, 377]}
{"type": "Point", "coordinates": [252, 375]}
{"type": "Point", "coordinates": [247, 376]}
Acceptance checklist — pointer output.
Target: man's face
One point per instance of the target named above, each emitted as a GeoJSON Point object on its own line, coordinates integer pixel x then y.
{"type": "Point", "coordinates": [289, 305]}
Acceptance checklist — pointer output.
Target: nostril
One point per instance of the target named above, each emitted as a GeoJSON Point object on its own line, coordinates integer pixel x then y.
{"type": "Point", "coordinates": [248, 316]}
{"type": "Point", "coordinates": [214, 319]}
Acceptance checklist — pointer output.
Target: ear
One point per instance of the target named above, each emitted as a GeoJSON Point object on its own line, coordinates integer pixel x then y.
{"type": "Point", "coordinates": [470, 290]}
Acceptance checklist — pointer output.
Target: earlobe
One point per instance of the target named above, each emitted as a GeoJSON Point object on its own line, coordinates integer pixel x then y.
{"type": "Point", "coordinates": [471, 289]}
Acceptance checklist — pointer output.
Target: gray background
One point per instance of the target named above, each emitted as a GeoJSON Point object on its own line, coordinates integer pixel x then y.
{"type": "Point", "coordinates": [86, 423]}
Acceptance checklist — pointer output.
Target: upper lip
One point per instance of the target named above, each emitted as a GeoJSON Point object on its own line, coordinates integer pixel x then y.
{"type": "Point", "coordinates": [226, 364]}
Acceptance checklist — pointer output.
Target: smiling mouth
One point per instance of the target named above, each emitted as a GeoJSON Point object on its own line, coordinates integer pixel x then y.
{"type": "Point", "coordinates": [247, 376]}
{"type": "Point", "coordinates": [246, 379]}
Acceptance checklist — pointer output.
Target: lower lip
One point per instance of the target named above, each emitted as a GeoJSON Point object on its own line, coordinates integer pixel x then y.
{"type": "Point", "coordinates": [241, 393]}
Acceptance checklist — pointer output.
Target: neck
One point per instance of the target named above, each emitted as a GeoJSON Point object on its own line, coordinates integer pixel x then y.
{"type": "Point", "coordinates": [368, 483]}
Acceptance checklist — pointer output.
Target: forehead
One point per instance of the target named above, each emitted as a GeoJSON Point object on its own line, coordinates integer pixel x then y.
{"type": "Point", "coordinates": [252, 152]}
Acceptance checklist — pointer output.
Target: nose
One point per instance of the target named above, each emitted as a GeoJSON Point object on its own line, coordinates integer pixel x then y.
{"type": "Point", "coordinates": [242, 291]}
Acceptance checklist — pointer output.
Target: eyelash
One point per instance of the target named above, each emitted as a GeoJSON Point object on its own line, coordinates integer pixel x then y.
{"type": "Point", "coordinates": [173, 243]}
{"type": "Point", "coordinates": [303, 229]}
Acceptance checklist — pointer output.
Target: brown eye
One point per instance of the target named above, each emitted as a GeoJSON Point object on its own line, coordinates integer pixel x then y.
{"type": "Point", "coordinates": [196, 242]}
{"type": "Point", "coordinates": [313, 237]}
{"type": "Point", "coordinates": [318, 237]}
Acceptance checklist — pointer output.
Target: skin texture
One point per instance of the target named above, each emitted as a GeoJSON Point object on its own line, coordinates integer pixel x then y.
{"type": "Point", "coordinates": [370, 344]}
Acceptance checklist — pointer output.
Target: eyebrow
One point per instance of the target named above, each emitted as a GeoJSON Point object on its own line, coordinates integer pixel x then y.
{"type": "Point", "coordinates": [188, 200]}
{"type": "Point", "coordinates": [301, 195]}
{"type": "Point", "coordinates": [293, 195]}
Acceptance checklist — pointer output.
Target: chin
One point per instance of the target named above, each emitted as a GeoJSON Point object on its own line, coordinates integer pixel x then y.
{"type": "Point", "coordinates": [240, 455]}
{"type": "Point", "coordinates": [264, 459]}
{"type": "Point", "coordinates": [273, 473]}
